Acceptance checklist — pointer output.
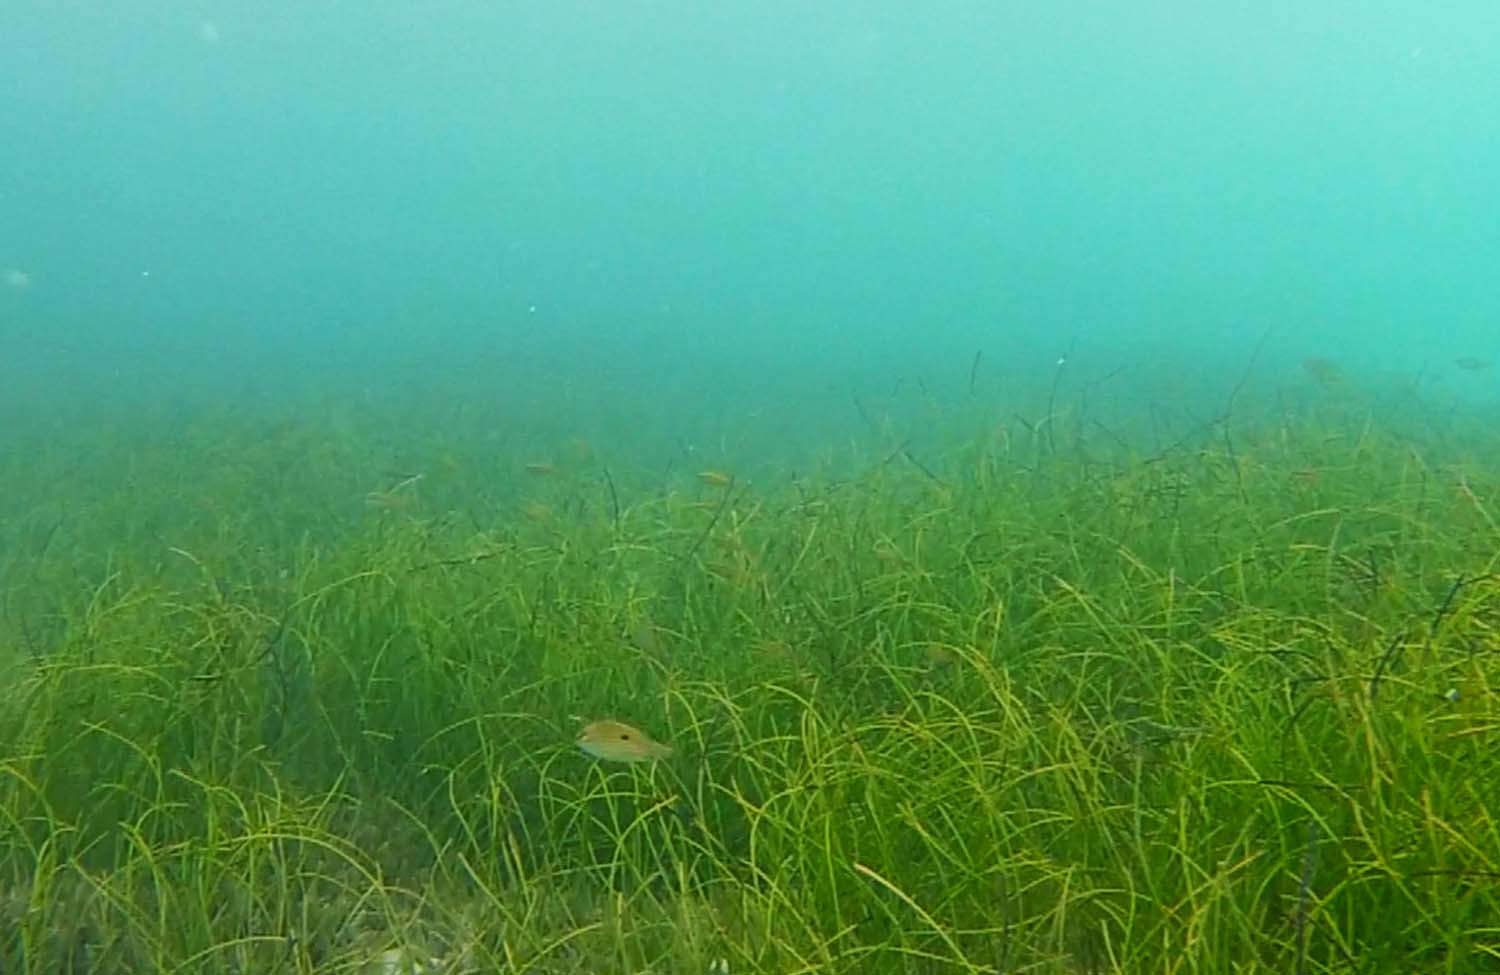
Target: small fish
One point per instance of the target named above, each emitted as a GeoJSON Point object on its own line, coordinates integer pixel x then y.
{"type": "Point", "coordinates": [615, 741]}
{"type": "Point", "coordinates": [403, 481]}
{"type": "Point", "coordinates": [393, 497]}
{"type": "Point", "coordinates": [940, 657]}
{"type": "Point", "coordinates": [778, 650]}
{"type": "Point", "coordinates": [715, 478]}
{"type": "Point", "coordinates": [540, 470]}
{"type": "Point", "coordinates": [1325, 371]}
{"type": "Point", "coordinates": [388, 500]}
{"type": "Point", "coordinates": [1146, 732]}
{"type": "Point", "coordinates": [1471, 363]}
{"type": "Point", "coordinates": [643, 635]}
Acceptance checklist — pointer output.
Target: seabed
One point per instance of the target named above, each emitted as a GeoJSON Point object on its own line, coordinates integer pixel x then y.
{"type": "Point", "coordinates": [1059, 694]}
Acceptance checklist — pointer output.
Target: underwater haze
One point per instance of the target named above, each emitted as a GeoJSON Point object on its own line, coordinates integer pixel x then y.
{"type": "Point", "coordinates": [644, 193]}
{"type": "Point", "coordinates": [865, 488]}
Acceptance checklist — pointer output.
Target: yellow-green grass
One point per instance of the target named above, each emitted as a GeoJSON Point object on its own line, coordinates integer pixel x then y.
{"type": "Point", "coordinates": [1227, 701]}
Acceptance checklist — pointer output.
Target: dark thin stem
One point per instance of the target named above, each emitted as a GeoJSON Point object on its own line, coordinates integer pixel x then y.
{"type": "Point", "coordinates": [1304, 889]}
{"type": "Point", "coordinates": [922, 467]}
{"type": "Point", "coordinates": [1195, 431]}
{"type": "Point", "coordinates": [718, 513]}
{"type": "Point", "coordinates": [461, 560]}
{"type": "Point", "coordinates": [1291, 722]}
{"type": "Point", "coordinates": [614, 500]}
{"type": "Point", "coordinates": [1234, 461]}
{"type": "Point", "coordinates": [31, 646]}
{"type": "Point", "coordinates": [1316, 786]}
{"type": "Point", "coordinates": [864, 414]}
{"type": "Point", "coordinates": [1445, 605]}
{"type": "Point", "coordinates": [261, 657]}
{"type": "Point", "coordinates": [41, 552]}
{"type": "Point", "coordinates": [1249, 368]}
{"type": "Point", "coordinates": [1392, 650]}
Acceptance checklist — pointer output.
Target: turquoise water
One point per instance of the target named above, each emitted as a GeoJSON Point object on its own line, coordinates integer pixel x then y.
{"type": "Point", "coordinates": [913, 401]}
{"type": "Point", "coordinates": [743, 197]}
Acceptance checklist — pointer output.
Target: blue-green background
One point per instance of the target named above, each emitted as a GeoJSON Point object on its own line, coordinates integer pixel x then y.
{"type": "Point", "coordinates": [680, 211]}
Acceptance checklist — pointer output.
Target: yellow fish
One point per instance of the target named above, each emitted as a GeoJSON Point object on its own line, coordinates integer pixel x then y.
{"type": "Point", "coordinates": [614, 741]}
{"type": "Point", "coordinates": [715, 478]}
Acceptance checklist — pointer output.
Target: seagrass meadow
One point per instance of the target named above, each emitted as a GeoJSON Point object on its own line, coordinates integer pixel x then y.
{"type": "Point", "coordinates": [992, 681]}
